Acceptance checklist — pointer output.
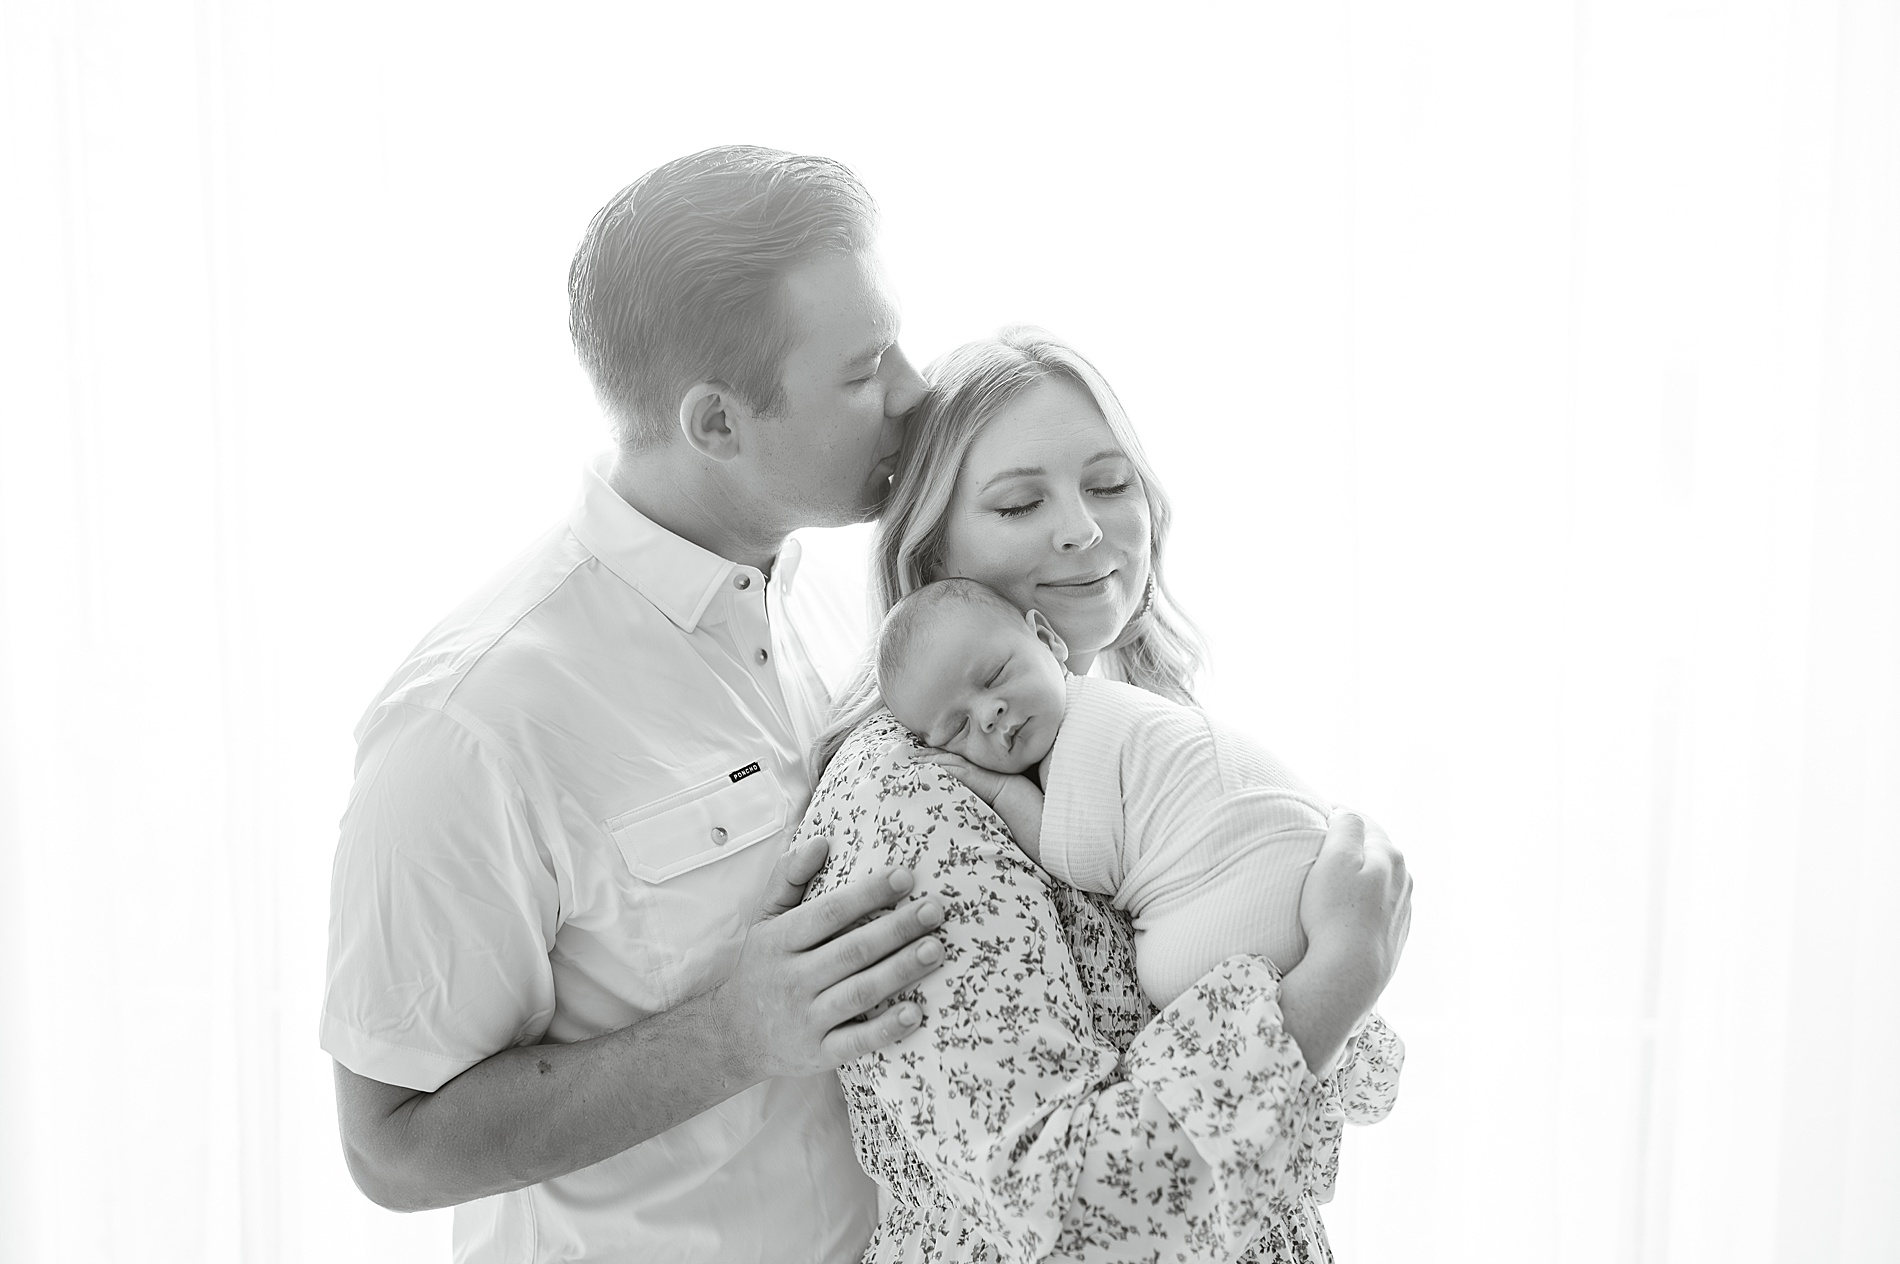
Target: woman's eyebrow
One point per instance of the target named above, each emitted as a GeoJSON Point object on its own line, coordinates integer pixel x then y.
{"type": "Point", "coordinates": [1021, 471]}
{"type": "Point", "coordinates": [1017, 471]}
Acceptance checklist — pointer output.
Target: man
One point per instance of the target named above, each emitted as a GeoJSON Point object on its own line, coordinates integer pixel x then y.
{"type": "Point", "coordinates": [571, 991]}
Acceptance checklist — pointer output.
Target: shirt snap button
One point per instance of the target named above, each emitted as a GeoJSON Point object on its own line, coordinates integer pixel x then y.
{"type": "Point", "coordinates": [742, 581]}
{"type": "Point", "coordinates": [762, 656]}
{"type": "Point", "coordinates": [719, 836]}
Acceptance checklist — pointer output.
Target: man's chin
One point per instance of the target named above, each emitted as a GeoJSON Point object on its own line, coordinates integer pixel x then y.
{"type": "Point", "coordinates": [876, 497]}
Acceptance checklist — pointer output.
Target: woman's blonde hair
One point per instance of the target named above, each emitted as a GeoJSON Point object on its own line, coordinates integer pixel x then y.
{"type": "Point", "coordinates": [1159, 649]}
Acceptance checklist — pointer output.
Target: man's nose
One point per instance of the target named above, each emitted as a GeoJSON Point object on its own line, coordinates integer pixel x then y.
{"type": "Point", "coordinates": [907, 384]}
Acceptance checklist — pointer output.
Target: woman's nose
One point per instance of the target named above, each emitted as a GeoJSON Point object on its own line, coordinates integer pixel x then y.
{"type": "Point", "coordinates": [1077, 530]}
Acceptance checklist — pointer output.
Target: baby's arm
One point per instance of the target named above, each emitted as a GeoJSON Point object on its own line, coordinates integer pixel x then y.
{"type": "Point", "coordinates": [1014, 797]}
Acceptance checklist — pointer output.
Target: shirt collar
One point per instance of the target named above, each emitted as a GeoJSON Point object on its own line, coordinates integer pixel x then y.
{"type": "Point", "coordinates": [672, 572]}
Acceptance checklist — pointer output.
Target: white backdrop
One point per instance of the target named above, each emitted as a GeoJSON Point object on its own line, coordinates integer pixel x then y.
{"type": "Point", "coordinates": [1541, 359]}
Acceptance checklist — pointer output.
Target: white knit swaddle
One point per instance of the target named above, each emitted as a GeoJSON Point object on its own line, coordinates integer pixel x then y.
{"type": "Point", "coordinates": [1199, 834]}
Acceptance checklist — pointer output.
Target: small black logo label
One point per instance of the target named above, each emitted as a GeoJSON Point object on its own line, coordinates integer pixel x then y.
{"type": "Point", "coordinates": [743, 773]}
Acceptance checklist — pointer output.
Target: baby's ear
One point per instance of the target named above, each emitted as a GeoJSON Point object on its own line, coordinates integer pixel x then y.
{"type": "Point", "coordinates": [1047, 634]}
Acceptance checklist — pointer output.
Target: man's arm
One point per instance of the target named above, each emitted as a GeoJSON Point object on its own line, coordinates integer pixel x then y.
{"type": "Point", "coordinates": [791, 1006]}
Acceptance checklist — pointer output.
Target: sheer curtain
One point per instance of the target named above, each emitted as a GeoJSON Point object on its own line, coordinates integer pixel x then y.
{"type": "Point", "coordinates": [1527, 378]}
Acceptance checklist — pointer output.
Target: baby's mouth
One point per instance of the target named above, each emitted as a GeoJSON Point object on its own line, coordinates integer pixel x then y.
{"type": "Point", "coordinates": [1009, 735]}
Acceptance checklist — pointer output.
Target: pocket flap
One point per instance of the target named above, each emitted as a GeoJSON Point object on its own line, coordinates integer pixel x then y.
{"type": "Point", "coordinates": [700, 824]}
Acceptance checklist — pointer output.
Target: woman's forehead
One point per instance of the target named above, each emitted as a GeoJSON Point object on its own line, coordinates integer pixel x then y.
{"type": "Point", "coordinates": [1053, 422]}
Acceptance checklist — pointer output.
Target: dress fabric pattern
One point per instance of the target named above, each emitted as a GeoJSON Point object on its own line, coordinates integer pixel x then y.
{"type": "Point", "coordinates": [1043, 1109]}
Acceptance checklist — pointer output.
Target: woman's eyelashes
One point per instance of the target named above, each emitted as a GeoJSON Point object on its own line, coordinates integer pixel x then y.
{"type": "Point", "coordinates": [1026, 507]}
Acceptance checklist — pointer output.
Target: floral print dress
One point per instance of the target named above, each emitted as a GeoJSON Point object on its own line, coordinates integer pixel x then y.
{"type": "Point", "coordinates": [1043, 1109]}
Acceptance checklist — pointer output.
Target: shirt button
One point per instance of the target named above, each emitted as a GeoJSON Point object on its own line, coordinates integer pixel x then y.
{"type": "Point", "coordinates": [719, 836]}
{"type": "Point", "coordinates": [742, 581]}
{"type": "Point", "coordinates": [762, 656]}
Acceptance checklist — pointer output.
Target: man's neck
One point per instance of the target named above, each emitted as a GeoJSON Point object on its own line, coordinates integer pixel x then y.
{"type": "Point", "coordinates": [674, 492]}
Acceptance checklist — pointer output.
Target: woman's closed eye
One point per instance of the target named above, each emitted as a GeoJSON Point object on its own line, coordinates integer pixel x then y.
{"type": "Point", "coordinates": [1030, 506]}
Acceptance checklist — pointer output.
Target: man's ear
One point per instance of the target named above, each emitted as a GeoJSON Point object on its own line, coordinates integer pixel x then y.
{"type": "Point", "coordinates": [707, 419]}
{"type": "Point", "coordinates": [1047, 634]}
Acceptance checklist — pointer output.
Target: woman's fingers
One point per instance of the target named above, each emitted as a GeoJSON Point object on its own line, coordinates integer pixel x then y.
{"type": "Point", "coordinates": [1358, 886]}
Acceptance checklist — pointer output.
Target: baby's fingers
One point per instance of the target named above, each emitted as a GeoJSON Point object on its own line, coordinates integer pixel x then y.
{"type": "Point", "coordinates": [956, 765]}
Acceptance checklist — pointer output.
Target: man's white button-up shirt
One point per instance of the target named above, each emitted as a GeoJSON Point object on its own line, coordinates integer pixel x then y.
{"type": "Point", "coordinates": [568, 802]}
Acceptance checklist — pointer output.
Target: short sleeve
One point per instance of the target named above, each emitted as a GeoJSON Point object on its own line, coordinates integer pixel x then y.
{"type": "Point", "coordinates": [442, 908]}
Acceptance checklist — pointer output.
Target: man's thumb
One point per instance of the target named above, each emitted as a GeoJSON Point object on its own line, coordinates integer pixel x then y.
{"type": "Point", "coordinates": [796, 868]}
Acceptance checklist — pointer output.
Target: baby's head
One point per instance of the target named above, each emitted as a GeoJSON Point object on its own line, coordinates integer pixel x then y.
{"type": "Point", "coordinates": [971, 674]}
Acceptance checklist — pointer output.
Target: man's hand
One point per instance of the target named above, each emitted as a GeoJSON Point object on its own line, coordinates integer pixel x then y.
{"type": "Point", "coordinates": [795, 1003]}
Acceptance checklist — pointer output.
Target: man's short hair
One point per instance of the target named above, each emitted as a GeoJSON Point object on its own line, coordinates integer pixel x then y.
{"type": "Point", "coordinates": [678, 279]}
{"type": "Point", "coordinates": [898, 633]}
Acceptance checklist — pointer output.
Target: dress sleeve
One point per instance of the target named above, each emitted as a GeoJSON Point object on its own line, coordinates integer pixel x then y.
{"type": "Point", "coordinates": [1049, 1141]}
{"type": "Point", "coordinates": [1366, 1081]}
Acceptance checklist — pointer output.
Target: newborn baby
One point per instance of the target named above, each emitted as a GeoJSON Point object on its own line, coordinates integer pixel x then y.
{"type": "Point", "coordinates": [1197, 833]}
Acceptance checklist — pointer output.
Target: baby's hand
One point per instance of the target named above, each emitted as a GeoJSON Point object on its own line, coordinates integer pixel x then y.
{"type": "Point", "coordinates": [987, 782]}
{"type": "Point", "coordinates": [1011, 796]}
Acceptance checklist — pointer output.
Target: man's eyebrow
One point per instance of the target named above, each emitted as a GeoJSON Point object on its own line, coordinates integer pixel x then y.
{"type": "Point", "coordinates": [884, 339]}
{"type": "Point", "coordinates": [1021, 471]}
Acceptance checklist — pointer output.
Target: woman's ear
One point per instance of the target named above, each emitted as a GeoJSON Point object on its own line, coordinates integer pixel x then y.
{"type": "Point", "coordinates": [706, 419]}
{"type": "Point", "coordinates": [1047, 634]}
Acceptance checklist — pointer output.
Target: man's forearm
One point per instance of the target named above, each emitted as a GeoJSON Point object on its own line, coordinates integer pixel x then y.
{"type": "Point", "coordinates": [528, 1114]}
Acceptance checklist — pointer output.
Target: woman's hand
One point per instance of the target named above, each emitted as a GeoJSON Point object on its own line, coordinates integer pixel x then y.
{"type": "Point", "coordinates": [1359, 895]}
{"type": "Point", "coordinates": [1356, 909]}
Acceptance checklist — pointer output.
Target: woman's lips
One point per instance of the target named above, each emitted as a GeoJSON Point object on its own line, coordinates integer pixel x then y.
{"type": "Point", "coordinates": [1080, 587]}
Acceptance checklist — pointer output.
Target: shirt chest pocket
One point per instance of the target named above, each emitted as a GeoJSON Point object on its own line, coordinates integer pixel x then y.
{"type": "Point", "coordinates": [700, 824]}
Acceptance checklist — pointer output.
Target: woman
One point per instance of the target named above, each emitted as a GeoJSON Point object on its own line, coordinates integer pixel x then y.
{"type": "Point", "coordinates": [1043, 1109]}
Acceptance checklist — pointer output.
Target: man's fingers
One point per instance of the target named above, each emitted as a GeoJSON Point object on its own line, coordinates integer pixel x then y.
{"type": "Point", "coordinates": [855, 1039]}
{"type": "Point", "coordinates": [875, 962]}
{"type": "Point", "coordinates": [813, 923]}
{"type": "Point", "coordinates": [796, 868]}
